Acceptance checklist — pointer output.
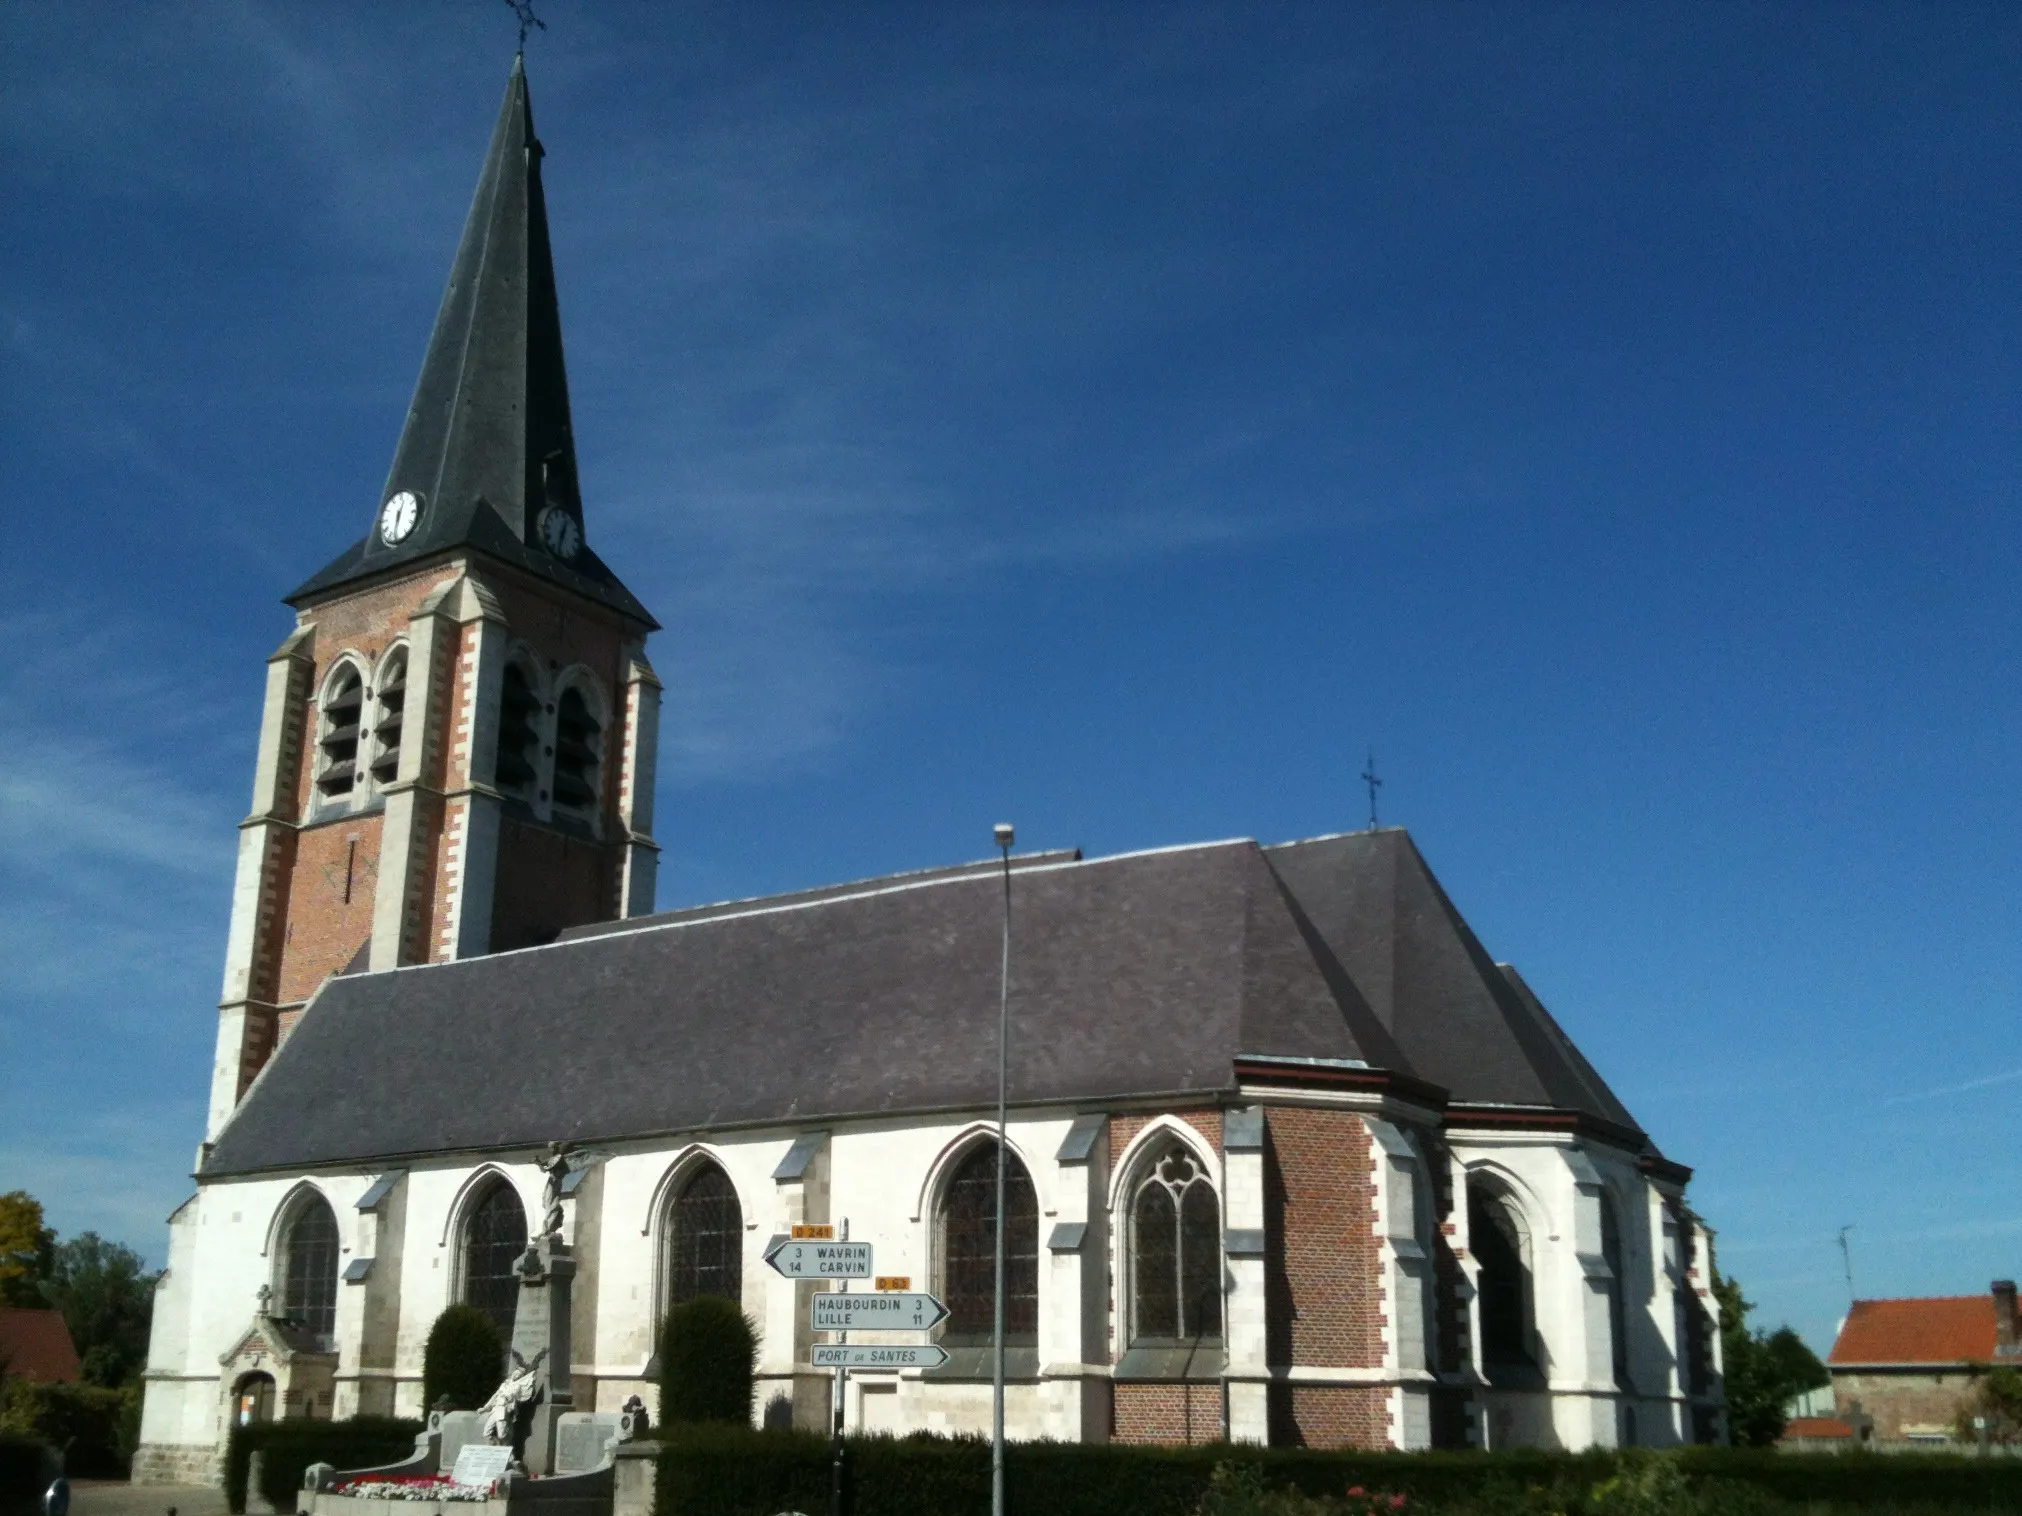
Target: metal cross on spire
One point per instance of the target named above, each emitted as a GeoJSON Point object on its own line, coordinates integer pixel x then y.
{"type": "Point", "coordinates": [1369, 778]}
{"type": "Point", "coordinates": [524, 9]}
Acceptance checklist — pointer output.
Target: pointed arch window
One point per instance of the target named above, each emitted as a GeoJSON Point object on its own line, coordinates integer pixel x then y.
{"type": "Point", "coordinates": [341, 721]}
{"type": "Point", "coordinates": [579, 752]}
{"type": "Point", "coordinates": [705, 1239]}
{"type": "Point", "coordinates": [494, 1236]}
{"type": "Point", "coordinates": [968, 1251]}
{"type": "Point", "coordinates": [519, 738]}
{"type": "Point", "coordinates": [390, 702]}
{"type": "Point", "coordinates": [1501, 1247]}
{"type": "Point", "coordinates": [1175, 1252]}
{"type": "Point", "coordinates": [309, 1271]}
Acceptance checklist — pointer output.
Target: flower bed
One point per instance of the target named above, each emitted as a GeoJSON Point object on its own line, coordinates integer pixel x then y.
{"type": "Point", "coordinates": [412, 1487]}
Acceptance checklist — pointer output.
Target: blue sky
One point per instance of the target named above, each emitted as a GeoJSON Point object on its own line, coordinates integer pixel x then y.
{"type": "Point", "coordinates": [1118, 419]}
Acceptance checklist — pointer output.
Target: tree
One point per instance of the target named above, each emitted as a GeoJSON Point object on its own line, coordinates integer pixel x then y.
{"type": "Point", "coordinates": [463, 1361]}
{"type": "Point", "coordinates": [25, 1247]}
{"type": "Point", "coordinates": [1763, 1369]}
{"type": "Point", "coordinates": [106, 1296]}
{"type": "Point", "coordinates": [1998, 1398]}
{"type": "Point", "coordinates": [708, 1355]}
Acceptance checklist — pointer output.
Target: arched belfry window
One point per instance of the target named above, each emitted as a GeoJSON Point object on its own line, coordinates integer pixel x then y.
{"type": "Point", "coordinates": [341, 721]}
{"type": "Point", "coordinates": [309, 1270]}
{"type": "Point", "coordinates": [579, 752]}
{"type": "Point", "coordinates": [1501, 1246]}
{"type": "Point", "coordinates": [494, 1236]}
{"type": "Point", "coordinates": [705, 1238]}
{"type": "Point", "coordinates": [1175, 1251]}
{"type": "Point", "coordinates": [390, 699]}
{"type": "Point", "coordinates": [519, 736]}
{"type": "Point", "coordinates": [968, 1250]}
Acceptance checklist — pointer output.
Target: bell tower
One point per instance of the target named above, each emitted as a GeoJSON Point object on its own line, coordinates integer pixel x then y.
{"type": "Point", "coordinates": [458, 740]}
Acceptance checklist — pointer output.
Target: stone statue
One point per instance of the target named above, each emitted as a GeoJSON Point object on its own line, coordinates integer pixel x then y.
{"type": "Point", "coordinates": [520, 1388]}
{"type": "Point", "coordinates": [556, 1166]}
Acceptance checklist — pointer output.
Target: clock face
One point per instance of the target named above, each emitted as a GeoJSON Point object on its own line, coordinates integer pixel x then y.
{"type": "Point", "coordinates": [560, 532]}
{"type": "Point", "coordinates": [397, 517]}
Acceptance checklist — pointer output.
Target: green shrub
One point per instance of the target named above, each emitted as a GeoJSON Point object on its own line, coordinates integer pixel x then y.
{"type": "Point", "coordinates": [464, 1359]}
{"type": "Point", "coordinates": [26, 1467]}
{"type": "Point", "coordinates": [708, 1352]}
{"type": "Point", "coordinates": [723, 1470]}
{"type": "Point", "coordinates": [287, 1448]}
{"type": "Point", "coordinates": [93, 1429]}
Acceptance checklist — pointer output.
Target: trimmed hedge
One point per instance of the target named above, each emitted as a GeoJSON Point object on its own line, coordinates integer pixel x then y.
{"type": "Point", "coordinates": [464, 1360]}
{"type": "Point", "coordinates": [714, 1470]}
{"type": "Point", "coordinates": [708, 1352]}
{"type": "Point", "coordinates": [26, 1468]}
{"type": "Point", "coordinates": [289, 1447]}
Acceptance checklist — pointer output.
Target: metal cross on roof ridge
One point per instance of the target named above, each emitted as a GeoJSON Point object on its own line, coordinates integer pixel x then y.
{"type": "Point", "coordinates": [524, 10]}
{"type": "Point", "coordinates": [1369, 778]}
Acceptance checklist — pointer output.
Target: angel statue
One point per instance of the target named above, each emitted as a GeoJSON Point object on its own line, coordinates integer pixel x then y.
{"type": "Point", "coordinates": [520, 1388]}
{"type": "Point", "coordinates": [562, 1160]}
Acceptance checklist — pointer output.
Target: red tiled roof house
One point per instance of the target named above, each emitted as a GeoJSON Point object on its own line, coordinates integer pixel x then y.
{"type": "Point", "coordinates": [1909, 1363]}
{"type": "Point", "coordinates": [35, 1344]}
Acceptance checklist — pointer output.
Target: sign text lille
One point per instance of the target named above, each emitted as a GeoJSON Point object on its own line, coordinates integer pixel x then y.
{"type": "Point", "coordinates": [821, 1260]}
{"type": "Point", "coordinates": [836, 1355]}
{"type": "Point", "coordinates": [890, 1312]}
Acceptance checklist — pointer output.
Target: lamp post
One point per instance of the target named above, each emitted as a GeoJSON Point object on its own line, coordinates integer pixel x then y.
{"type": "Point", "coordinates": [1005, 836]}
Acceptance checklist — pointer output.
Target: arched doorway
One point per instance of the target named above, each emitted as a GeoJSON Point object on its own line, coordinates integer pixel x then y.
{"type": "Point", "coordinates": [253, 1399]}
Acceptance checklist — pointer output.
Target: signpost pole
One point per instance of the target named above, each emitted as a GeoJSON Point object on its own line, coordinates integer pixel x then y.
{"type": "Point", "coordinates": [835, 1472]}
{"type": "Point", "coordinates": [1004, 836]}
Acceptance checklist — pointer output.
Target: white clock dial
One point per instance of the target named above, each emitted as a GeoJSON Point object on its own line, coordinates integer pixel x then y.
{"type": "Point", "coordinates": [560, 532]}
{"type": "Point", "coordinates": [397, 517]}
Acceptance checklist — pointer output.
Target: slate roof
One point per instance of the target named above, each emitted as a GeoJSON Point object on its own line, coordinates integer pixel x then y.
{"type": "Point", "coordinates": [1146, 974]}
{"type": "Point", "coordinates": [488, 444]}
{"type": "Point", "coordinates": [35, 1344]}
{"type": "Point", "coordinates": [1939, 1329]}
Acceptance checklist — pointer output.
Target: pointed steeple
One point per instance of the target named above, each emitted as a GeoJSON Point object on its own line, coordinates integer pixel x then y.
{"type": "Point", "coordinates": [487, 459]}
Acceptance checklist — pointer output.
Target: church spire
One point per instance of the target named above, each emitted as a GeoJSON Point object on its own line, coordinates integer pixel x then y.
{"type": "Point", "coordinates": [487, 458]}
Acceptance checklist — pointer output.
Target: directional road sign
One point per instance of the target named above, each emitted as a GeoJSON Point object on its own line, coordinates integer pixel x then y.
{"type": "Point", "coordinates": [882, 1312]}
{"type": "Point", "coordinates": [835, 1355]}
{"type": "Point", "coordinates": [821, 1260]}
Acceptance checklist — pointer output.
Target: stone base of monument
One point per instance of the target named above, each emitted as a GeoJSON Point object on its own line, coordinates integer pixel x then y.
{"type": "Point", "coordinates": [457, 1473]}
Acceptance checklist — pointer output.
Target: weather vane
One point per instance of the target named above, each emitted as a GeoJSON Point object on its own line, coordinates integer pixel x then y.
{"type": "Point", "coordinates": [1369, 778]}
{"type": "Point", "coordinates": [524, 9]}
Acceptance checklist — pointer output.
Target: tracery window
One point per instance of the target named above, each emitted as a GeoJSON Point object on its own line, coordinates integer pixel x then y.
{"type": "Point", "coordinates": [1175, 1252]}
{"type": "Point", "coordinates": [337, 739]}
{"type": "Point", "coordinates": [390, 698]}
{"type": "Point", "coordinates": [579, 746]}
{"type": "Point", "coordinates": [705, 1239]}
{"type": "Point", "coordinates": [494, 1236]}
{"type": "Point", "coordinates": [968, 1250]}
{"type": "Point", "coordinates": [519, 740]}
{"type": "Point", "coordinates": [1503, 1288]}
{"type": "Point", "coordinates": [309, 1271]}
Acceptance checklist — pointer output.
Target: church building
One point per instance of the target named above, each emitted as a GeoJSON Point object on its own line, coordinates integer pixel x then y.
{"type": "Point", "coordinates": [1291, 1158]}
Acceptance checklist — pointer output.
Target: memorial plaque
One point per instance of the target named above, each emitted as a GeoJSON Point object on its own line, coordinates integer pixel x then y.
{"type": "Point", "coordinates": [478, 1464]}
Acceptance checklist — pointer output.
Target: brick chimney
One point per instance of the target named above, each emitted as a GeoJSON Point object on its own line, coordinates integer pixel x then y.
{"type": "Point", "coordinates": [2006, 1343]}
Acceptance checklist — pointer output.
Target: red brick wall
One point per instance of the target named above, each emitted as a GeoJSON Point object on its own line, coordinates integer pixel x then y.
{"type": "Point", "coordinates": [1168, 1413]}
{"type": "Point", "coordinates": [1124, 1129]}
{"type": "Point", "coordinates": [1324, 1236]}
{"type": "Point", "coordinates": [1341, 1416]}
{"type": "Point", "coordinates": [547, 881]}
{"type": "Point", "coordinates": [1903, 1400]}
{"type": "Point", "coordinates": [320, 929]}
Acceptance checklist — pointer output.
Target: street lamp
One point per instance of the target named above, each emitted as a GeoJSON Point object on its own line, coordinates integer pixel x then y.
{"type": "Point", "coordinates": [1005, 836]}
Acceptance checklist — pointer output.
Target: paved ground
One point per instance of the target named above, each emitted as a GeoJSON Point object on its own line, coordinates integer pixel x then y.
{"type": "Point", "coordinates": [104, 1497]}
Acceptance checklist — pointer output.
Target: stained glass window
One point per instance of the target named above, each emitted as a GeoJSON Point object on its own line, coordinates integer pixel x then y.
{"type": "Point", "coordinates": [969, 1250]}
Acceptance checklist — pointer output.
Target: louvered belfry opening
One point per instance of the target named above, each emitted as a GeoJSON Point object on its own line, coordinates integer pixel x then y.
{"type": "Point", "coordinates": [578, 755]}
{"type": "Point", "coordinates": [391, 697]}
{"type": "Point", "coordinates": [343, 710]}
{"type": "Point", "coordinates": [518, 740]}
